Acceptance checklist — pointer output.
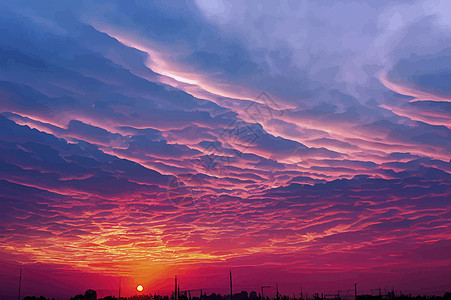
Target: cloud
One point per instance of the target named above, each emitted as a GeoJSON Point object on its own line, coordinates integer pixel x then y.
{"type": "Point", "coordinates": [136, 138]}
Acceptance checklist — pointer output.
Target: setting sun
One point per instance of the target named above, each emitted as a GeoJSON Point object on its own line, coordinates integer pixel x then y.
{"type": "Point", "coordinates": [140, 288]}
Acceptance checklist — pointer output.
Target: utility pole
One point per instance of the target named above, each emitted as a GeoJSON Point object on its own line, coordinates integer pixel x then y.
{"type": "Point", "coordinates": [20, 283]}
{"type": "Point", "coordinates": [231, 293]}
{"type": "Point", "coordinates": [277, 291]}
{"type": "Point", "coordinates": [175, 288]}
{"type": "Point", "coordinates": [120, 287]}
{"type": "Point", "coordinates": [263, 287]}
{"type": "Point", "coordinates": [355, 291]}
{"type": "Point", "coordinates": [302, 296]}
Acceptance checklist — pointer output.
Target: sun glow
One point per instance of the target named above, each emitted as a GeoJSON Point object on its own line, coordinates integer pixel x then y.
{"type": "Point", "coordinates": [140, 288]}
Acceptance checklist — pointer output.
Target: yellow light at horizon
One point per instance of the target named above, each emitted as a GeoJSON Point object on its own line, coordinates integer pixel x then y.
{"type": "Point", "coordinates": [140, 288]}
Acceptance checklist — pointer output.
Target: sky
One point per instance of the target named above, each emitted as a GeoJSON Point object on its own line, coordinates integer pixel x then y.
{"type": "Point", "coordinates": [306, 143]}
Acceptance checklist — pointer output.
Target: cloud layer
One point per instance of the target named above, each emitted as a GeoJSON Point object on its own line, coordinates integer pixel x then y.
{"type": "Point", "coordinates": [301, 140]}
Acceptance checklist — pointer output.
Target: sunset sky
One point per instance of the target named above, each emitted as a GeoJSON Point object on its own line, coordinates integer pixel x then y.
{"type": "Point", "coordinates": [301, 142]}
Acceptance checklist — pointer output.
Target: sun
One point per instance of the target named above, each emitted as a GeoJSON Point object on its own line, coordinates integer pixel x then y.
{"type": "Point", "coordinates": [140, 288]}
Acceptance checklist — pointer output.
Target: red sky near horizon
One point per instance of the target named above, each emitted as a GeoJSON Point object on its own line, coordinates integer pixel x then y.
{"type": "Point", "coordinates": [300, 143]}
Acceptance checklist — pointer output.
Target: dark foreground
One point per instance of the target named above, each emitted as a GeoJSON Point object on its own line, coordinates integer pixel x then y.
{"type": "Point", "coordinates": [92, 295]}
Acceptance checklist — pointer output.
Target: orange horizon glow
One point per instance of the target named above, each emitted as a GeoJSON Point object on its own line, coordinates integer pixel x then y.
{"type": "Point", "coordinates": [129, 162]}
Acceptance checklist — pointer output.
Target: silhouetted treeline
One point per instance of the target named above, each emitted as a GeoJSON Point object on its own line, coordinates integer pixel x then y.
{"type": "Point", "coordinates": [89, 295]}
{"type": "Point", "coordinates": [256, 296]}
{"type": "Point", "coordinates": [36, 298]}
{"type": "Point", "coordinates": [92, 295]}
{"type": "Point", "coordinates": [391, 295]}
